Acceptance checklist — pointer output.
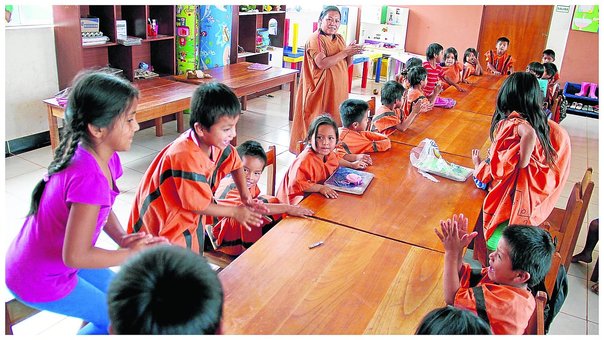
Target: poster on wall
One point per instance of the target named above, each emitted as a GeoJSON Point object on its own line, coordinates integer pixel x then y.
{"type": "Point", "coordinates": [215, 27]}
{"type": "Point", "coordinates": [187, 39]}
{"type": "Point", "coordinates": [586, 18]}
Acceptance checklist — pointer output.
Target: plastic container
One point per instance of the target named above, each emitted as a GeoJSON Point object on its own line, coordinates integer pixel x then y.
{"type": "Point", "coordinates": [262, 39]}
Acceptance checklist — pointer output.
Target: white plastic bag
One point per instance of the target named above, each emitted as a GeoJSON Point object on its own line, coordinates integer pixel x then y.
{"type": "Point", "coordinates": [427, 158]}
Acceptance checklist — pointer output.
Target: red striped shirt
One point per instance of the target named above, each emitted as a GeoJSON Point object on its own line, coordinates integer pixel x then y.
{"type": "Point", "coordinates": [434, 74]}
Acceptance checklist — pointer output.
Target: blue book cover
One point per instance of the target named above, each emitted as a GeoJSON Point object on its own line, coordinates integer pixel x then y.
{"type": "Point", "coordinates": [349, 180]}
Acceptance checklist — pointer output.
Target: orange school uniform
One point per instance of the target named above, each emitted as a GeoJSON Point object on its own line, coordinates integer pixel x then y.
{"type": "Point", "coordinates": [522, 196]}
{"type": "Point", "coordinates": [386, 119]}
{"type": "Point", "coordinates": [502, 63]}
{"type": "Point", "coordinates": [307, 170]}
{"type": "Point", "coordinates": [414, 97]}
{"type": "Point", "coordinates": [452, 72]}
{"type": "Point", "coordinates": [356, 142]}
{"type": "Point", "coordinates": [176, 187]}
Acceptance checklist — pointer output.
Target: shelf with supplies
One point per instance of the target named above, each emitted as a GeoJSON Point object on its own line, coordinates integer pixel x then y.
{"type": "Point", "coordinates": [256, 31]}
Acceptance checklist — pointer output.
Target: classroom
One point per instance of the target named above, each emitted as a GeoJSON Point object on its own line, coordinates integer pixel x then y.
{"type": "Point", "coordinates": [228, 131]}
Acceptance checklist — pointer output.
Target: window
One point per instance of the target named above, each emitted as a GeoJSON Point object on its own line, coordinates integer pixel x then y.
{"type": "Point", "coordinates": [28, 15]}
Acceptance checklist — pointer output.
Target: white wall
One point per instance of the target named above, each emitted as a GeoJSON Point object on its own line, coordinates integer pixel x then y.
{"type": "Point", "coordinates": [31, 76]}
{"type": "Point", "coordinates": [558, 33]}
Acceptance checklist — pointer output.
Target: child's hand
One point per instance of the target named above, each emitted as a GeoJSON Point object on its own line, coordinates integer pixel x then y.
{"type": "Point", "coordinates": [476, 157]}
{"type": "Point", "coordinates": [454, 234]}
{"type": "Point", "coordinates": [257, 206]}
{"type": "Point", "coordinates": [247, 217]}
{"type": "Point", "coordinates": [138, 244]}
{"type": "Point", "coordinates": [358, 164]}
{"type": "Point", "coordinates": [328, 192]}
{"type": "Point", "coordinates": [438, 88]}
{"type": "Point", "coordinates": [296, 210]}
{"type": "Point", "coordinates": [130, 239]}
{"type": "Point", "coordinates": [365, 158]}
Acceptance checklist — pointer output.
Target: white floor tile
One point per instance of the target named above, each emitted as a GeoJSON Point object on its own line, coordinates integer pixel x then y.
{"type": "Point", "coordinates": [576, 301]}
{"type": "Point", "coordinates": [593, 301]}
{"type": "Point", "coordinates": [17, 166]}
{"type": "Point", "coordinates": [42, 156]}
{"type": "Point", "coordinates": [136, 152]}
{"type": "Point", "coordinates": [565, 324]}
{"type": "Point", "coordinates": [592, 328]}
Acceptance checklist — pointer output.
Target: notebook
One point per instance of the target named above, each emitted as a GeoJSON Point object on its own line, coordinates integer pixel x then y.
{"type": "Point", "coordinates": [259, 67]}
{"type": "Point", "coordinates": [349, 180]}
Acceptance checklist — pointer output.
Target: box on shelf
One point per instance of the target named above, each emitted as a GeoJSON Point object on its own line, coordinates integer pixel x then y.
{"type": "Point", "coordinates": [89, 24]}
{"type": "Point", "coordinates": [121, 29]}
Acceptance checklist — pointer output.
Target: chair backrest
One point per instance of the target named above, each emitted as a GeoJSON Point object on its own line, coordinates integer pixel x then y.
{"type": "Point", "coordinates": [555, 109]}
{"type": "Point", "coordinates": [271, 170]}
{"type": "Point", "coordinates": [564, 234]}
{"type": "Point", "coordinates": [585, 190]}
{"type": "Point", "coordinates": [552, 274]}
{"type": "Point", "coordinates": [15, 312]}
{"type": "Point", "coordinates": [536, 325]}
{"type": "Point", "coordinates": [371, 103]}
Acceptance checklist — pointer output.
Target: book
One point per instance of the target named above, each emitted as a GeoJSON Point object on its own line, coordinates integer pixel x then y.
{"type": "Point", "coordinates": [259, 67]}
{"type": "Point", "coordinates": [349, 180]}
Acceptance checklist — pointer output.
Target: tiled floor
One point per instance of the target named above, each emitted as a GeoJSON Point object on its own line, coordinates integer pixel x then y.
{"type": "Point", "coordinates": [266, 121]}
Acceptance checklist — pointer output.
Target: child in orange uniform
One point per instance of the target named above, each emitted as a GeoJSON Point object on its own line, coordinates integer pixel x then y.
{"type": "Point", "coordinates": [498, 61]}
{"type": "Point", "coordinates": [452, 70]}
{"type": "Point", "coordinates": [391, 116]}
{"type": "Point", "coordinates": [228, 235]}
{"type": "Point", "coordinates": [471, 64]}
{"type": "Point", "coordinates": [415, 95]}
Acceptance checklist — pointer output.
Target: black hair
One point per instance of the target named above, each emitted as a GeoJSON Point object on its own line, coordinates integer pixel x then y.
{"type": "Point", "coordinates": [329, 9]}
{"type": "Point", "coordinates": [433, 50]}
{"type": "Point", "coordinates": [252, 149]}
{"type": "Point", "coordinates": [550, 53]}
{"type": "Point", "coordinates": [531, 250]}
{"type": "Point", "coordinates": [450, 320]}
{"type": "Point", "coordinates": [411, 62]}
{"type": "Point", "coordinates": [416, 75]}
{"type": "Point", "coordinates": [391, 92]}
{"type": "Point", "coordinates": [165, 290]}
{"type": "Point", "coordinates": [504, 39]}
{"type": "Point", "coordinates": [212, 101]}
{"type": "Point", "coordinates": [324, 119]}
{"type": "Point", "coordinates": [536, 67]}
{"type": "Point", "coordinates": [96, 98]}
{"type": "Point", "coordinates": [353, 110]}
{"type": "Point", "coordinates": [466, 54]}
{"type": "Point", "coordinates": [451, 50]}
{"type": "Point", "coordinates": [550, 69]}
{"type": "Point", "coordinates": [520, 92]}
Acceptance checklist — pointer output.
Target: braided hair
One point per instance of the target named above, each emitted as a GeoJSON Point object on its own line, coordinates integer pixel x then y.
{"type": "Point", "coordinates": [97, 98]}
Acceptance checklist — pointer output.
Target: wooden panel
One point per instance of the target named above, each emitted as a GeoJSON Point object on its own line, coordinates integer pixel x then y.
{"type": "Point", "coordinates": [107, 20]}
{"type": "Point", "coordinates": [68, 43]}
{"type": "Point", "coordinates": [136, 20]}
{"type": "Point", "coordinates": [163, 57]}
{"type": "Point", "coordinates": [93, 57]}
{"type": "Point", "coordinates": [247, 27]}
{"type": "Point", "coordinates": [165, 16]}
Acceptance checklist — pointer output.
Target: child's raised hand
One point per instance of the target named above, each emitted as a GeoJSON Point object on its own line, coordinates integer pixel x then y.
{"type": "Point", "coordinates": [454, 234]}
{"type": "Point", "coordinates": [247, 217]}
{"type": "Point", "coordinates": [462, 223]}
{"type": "Point", "coordinates": [296, 210]}
{"type": "Point", "coordinates": [476, 157]}
{"type": "Point", "coordinates": [328, 192]}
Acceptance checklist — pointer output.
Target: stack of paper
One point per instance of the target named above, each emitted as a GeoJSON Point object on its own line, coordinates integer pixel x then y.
{"type": "Point", "coordinates": [130, 41]}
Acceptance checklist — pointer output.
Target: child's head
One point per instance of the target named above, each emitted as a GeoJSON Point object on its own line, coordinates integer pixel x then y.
{"type": "Point", "coordinates": [549, 70]}
{"type": "Point", "coordinates": [450, 320]}
{"type": "Point", "coordinates": [165, 290]}
{"type": "Point", "coordinates": [523, 256]}
{"type": "Point", "coordinates": [450, 56]}
{"type": "Point", "coordinates": [469, 56]}
{"type": "Point", "coordinates": [215, 111]}
{"type": "Point", "coordinates": [434, 51]}
{"type": "Point", "coordinates": [392, 93]}
{"type": "Point", "coordinates": [502, 45]}
{"type": "Point", "coordinates": [535, 68]}
{"type": "Point", "coordinates": [254, 160]}
{"type": "Point", "coordinates": [323, 134]}
{"type": "Point", "coordinates": [411, 62]}
{"type": "Point", "coordinates": [354, 114]}
{"type": "Point", "coordinates": [549, 56]}
{"type": "Point", "coordinates": [417, 75]}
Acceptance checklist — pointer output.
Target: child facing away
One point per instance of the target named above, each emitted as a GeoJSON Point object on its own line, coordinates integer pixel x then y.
{"type": "Point", "coordinates": [228, 235]}
{"type": "Point", "coordinates": [313, 165]}
{"type": "Point", "coordinates": [452, 70]}
{"type": "Point", "coordinates": [528, 163]}
{"type": "Point", "coordinates": [537, 69]}
{"type": "Point", "coordinates": [177, 188]}
{"type": "Point", "coordinates": [471, 64]}
{"type": "Point", "coordinates": [402, 77]}
{"type": "Point", "coordinates": [53, 264]}
{"type": "Point", "coordinates": [390, 116]}
{"type": "Point", "coordinates": [417, 77]}
{"type": "Point", "coordinates": [499, 61]}
{"type": "Point", "coordinates": [166, 290]}
{"type": "Point", "coordinates": [450, 320]}
{"type": "Point", "coordinates": [500, 294]}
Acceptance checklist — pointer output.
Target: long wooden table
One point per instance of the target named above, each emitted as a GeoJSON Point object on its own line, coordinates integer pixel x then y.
{"type": "Point", "coordinates": [476, 99]}
{"type": "Point", "coordinates": [158, 97]}
{"type": "Point", "coordinates": [355, 283]}
{"type": "Point", "coordinates": [400, 203]}
{"type": "Point", "coordinates": [489, 81]}
{"type": "Point", "coordinates": [244, 81]}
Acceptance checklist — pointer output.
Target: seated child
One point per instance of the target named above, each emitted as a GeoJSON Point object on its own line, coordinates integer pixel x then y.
{"type": "Point", "coordinates": [537, 69]}
{"type": "Point", "coordinates": [415, 95]}
{"type": "Point", "coordinates": [471, 64]}
{"type": "Point", "coordinates": [549, 74]}
{"type": "Point", "coordinates": [228, 235]}
{"type": "Point", "coordinates": [500, 293]}
{"type": "Point", "coordinates": [434, 56]}
{"type": "Point", "coordinates": [449, 320]}
{"type": "Point", "coordinates": [402, 78]}
{"type": "Point", "coordinates": [498, 61]}
{"type": "Point", "coordinates": [177, 188]}
{"type": "Point", "coordinates": [452, 70]}
{"type": "Point", "coordinates": [549, 56]}
{"type": "Point", "coordinates": [314, 164]}
{"type": "Point", "coordinates": [390, 116]}
{"type": "Point", "coordinates": [165, 290]}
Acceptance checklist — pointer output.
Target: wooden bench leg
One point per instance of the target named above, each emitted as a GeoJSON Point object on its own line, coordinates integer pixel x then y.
{"type": "Point", "coordinates": [243, 103]}
{"type": "Point", "coordinates": [53, 128]}
{"type": "Point", "coordinates": [159, 127]}
{"type": "Point", "coordinates": [180, 121]}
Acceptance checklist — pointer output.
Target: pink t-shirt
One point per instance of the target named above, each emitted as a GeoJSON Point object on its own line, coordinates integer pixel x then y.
{"type": "Point", "coordinates": [34, 264]}
{"type": "Point", "coordinates": [434, 74]}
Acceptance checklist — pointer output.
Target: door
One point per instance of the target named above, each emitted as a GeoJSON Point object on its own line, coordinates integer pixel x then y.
{"type": "Point", "coordinates": [527, 28]}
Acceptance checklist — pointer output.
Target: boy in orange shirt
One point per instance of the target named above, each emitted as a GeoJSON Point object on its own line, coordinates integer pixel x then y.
{"type": "Point", "coordinates": [390, 116]}
{"type": "Point", "coordinates": [499, 62]}
{"type": "Point", "coordinates": [176, 188]}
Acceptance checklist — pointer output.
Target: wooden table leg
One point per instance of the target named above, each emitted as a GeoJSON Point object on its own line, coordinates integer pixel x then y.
{"type": "Point", "coordinates": [53, 128]}
{"type": "Point", "coordinates": [180, 121]}
{"type": "Point", "coordinates": [292, 97]}
{"type": "Point", "coordinates": [365, 72]}
{"type": "Point", "coordinates": [159, 127]}
{"type": "Point", "coordinates": [243, 103]}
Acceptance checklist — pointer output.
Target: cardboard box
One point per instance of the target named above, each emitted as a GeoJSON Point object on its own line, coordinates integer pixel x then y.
{"type": "Point", "coordinates": [122, 31]}
{"type": "Point", "coordinates": [89, 24]}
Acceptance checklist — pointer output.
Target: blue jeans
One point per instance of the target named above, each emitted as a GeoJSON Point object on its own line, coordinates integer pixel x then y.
{"type": "Point", "coordinates": [87, 301]}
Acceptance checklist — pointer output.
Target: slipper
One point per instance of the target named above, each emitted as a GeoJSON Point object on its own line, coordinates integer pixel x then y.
{"type": "Point", "coordinates": [573, 105]}
{"type": "Point", "coordinates": [595, 288]}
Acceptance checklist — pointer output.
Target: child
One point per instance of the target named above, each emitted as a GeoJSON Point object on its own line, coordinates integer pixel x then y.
{"type": "Point", "coordinates": [471, 64]}
{"type": "Point", "coordinates": [449, 320]}
{"type": "Point", "coordinates": [53, 264]}
{"type": "Point", "coordinates": [228, 235]}
{"type": "Point", "coordinates": [390, 116]}
{"type": "Point", "coordinates": [402, 78]}
{"type": "Point", "coordinates": [549, 56]}
{"type": "Point", "coordinates": [499, 62]}
{"type": "Point", "coordinates": [434, 56]}
{"type": "Point", "coordinates": [500, 294]}
{"type": "Point", "coordinates": [313, 165]}
{"type": "Point", "coordinates": [166, 290]}
{"type": "Point", "coordinates": [529, 159]}
{"type": "Point", "coordinates": [535, 68]}
{"type": "Point", "coordinates": [179, 184]}
{"type": "Point", "coordinates": [452, 70]}
{"type": "Point", "coordinates": [549, 73]}
{"type": "Point", "coordinates": [415, 96]}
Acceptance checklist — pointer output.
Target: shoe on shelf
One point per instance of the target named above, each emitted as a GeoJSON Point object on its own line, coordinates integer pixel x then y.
{"type": "Point", "coordinates": [584, 88]}
{"type": "Point", "coordinates": [573, 105]}
{"type": "Point", "coordinates": [592, 90]}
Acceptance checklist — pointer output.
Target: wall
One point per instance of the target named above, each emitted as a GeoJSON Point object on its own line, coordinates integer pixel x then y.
{"type": "Point", "coordinates": [558, 34]}
{"type": "Point", "coordinates": [581, 58]}
{"type": "Point", "coordinates": [31, 75]}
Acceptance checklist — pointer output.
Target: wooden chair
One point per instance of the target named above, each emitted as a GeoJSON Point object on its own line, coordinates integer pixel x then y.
{"type": "Point", "coordinates": [536, 325]}
{"type": "Point", "coordinates": [15, 312]}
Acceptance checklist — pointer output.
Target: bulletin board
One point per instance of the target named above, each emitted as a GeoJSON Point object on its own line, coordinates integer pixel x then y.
{"type": "Point", "coordinates": [586, 18]}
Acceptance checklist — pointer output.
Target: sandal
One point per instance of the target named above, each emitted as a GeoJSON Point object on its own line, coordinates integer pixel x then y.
{"type": "Point", "coordinates": [595, 288]}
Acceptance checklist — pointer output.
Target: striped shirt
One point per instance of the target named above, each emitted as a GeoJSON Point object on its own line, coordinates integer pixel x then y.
{"type": "Point", "coordinates": [434, 74]}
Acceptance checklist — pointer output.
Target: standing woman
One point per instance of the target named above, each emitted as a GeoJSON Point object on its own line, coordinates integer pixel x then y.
{"type": "Point", "coordinates": [324, 79]}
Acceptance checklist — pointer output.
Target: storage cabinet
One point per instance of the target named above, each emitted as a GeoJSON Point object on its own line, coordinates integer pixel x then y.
{"type": "Point", "coordinates": [588, 106]}
{"type": "Point", "coordinates": [72, 57]}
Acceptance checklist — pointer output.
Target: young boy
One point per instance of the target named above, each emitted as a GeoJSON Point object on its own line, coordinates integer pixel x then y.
{"type": "Point", "coordinates": [549, 56]}
{"type": "Point", "coordinates": [390, 117]}
{"type": "Point", "coordinates": [166, 290]}
{"type": "Point", "coordinates": [499, 62]}
{"type": "Point", "coordinates": [178, 186]}
{"type": "Point", "coordinates": [229, 235]}
{"type": "Point", "coordinates": [500, 293]}
{"type": "Point", "coordinates": [537, 69]}
{"type": "Point", "coordinates": [550, 71]}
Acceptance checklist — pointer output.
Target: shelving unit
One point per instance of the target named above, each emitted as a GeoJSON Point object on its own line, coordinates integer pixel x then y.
{"type": "Point", "coordinates": [246, 24]}
{"type": "Point", "coordinates": [570, 91]}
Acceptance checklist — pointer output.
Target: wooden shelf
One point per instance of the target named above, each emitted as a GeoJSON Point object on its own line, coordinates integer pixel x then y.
{"type": "Point", "coordinates": [100, 45]}
{"type": "Point", "coordinates": [245, 26]}
{"type": "Point", "coordinates": [255, 13]}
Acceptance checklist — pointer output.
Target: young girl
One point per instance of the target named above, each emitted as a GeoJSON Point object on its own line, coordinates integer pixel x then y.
{"type": "Point", "coordinates": [434, 56]}
{"type": "Point", "coordinates": [452, 70]}
{"type": "Point", "coordinates": [528, 160]}
{"type": "Point", "coordinates": [53, 264]}
{"type": "Point", "coordinates": [471, 64]}
{"type": "Point", "coordinates": [313, 165]}
{"type": "Point", "coordinates": [415, 97]}
{"type": "Point", "coordinates": [402, 77]}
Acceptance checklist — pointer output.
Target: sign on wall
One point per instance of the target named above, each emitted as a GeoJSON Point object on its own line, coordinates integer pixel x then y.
{"type": "Point", "coordinates": [586, 18]}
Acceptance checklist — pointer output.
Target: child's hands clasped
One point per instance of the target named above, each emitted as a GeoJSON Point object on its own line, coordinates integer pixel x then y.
{"type": "Point", "coordinates": [362, 161]}
{"type": "Point", "coordinates": [328, 192]}
{"type": "Point", "coordinates": [257, 206]}
{"type": "Point", "coordinates": [454, 233]}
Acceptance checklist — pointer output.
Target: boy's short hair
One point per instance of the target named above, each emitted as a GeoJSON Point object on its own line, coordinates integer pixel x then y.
{"type": "Point", "coordinates": [504, 39]}
{"type": "Point", "coordinates": [353, 110]}
{"type": "Point", "coordinates": [433, 50]}
{"type": "Point", "coordinates": [451, 50]}
{"type": "Point", "coordinates": [416, 75]}
{"type": "Point", "coordinates": [549, 52]}
{"type": "Point", "coordinates": [550, 68]}
{"type": "Point", "coordinates": [391, 92]}
{"type": "Point", "coordinates": [450, 320]}
{"type": "Point", "coordinates": [536, 67]}
{"type": "Point", "coordinates": [165, 290]}
{"type": "Point", "coordinates": [531, 250]}
{"type": "Point", "coordinates": [252, 148]}
{"type": "Point", "coordinates": [212, 101]}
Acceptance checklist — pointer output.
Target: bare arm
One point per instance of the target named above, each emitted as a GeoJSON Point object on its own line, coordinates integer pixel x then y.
{"type": "Point", "coordinates": [323, 190]}
{"type": "Point", "coordinates": [528, 138]}
{"type": "Point", "coordinates": [242, 214]}
{"type": "Point", "coordinates": [324, 62]}
{"type": "Point", "coordinates": [116, 232]}
{"type": "Point", "coordinates": [239, 180]}
{"type": "Point", "coordinates": [454, 84]}
{"type": "Point", "coordinates": [355, 161]}
{"type": "Point", "coordinates": [293, 210]}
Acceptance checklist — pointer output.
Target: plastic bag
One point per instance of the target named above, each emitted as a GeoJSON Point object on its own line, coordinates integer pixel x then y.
{"type": "Point", "coordinates": [426, 157]}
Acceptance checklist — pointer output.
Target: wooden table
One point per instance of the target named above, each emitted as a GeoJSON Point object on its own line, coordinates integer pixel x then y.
{"type": "Point", "coordinates": [158, 97]}
{"type": "Point", "coordinates": [245, 82]}
{"type": "Point", "coordinates": [476, 99]}
{"type": "Point", "coordinates": [355, 283]}
{"type": "Point", "coordinates": [400, 203]}
{"type": "Point", "coordinates": [454, 131]}
{"type": "Point", "coordinates": [489, 81]}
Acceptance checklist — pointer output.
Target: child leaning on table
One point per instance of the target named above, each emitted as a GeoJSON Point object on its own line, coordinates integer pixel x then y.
{"type": "Point", "coordinates": [415, 96]}
{"type": "Point", "coordinates": [471, 64]}
{"type": "Point", "coordinates": [391, 115]}
{"type": "Point", "coordinates": [228, 235]}
{"type": "Point", "coordinates": [499, 293]}
{"type": "Point", "coordinates": [452, 70]}
{"type": "Point", "coordinates": [499, 61]}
